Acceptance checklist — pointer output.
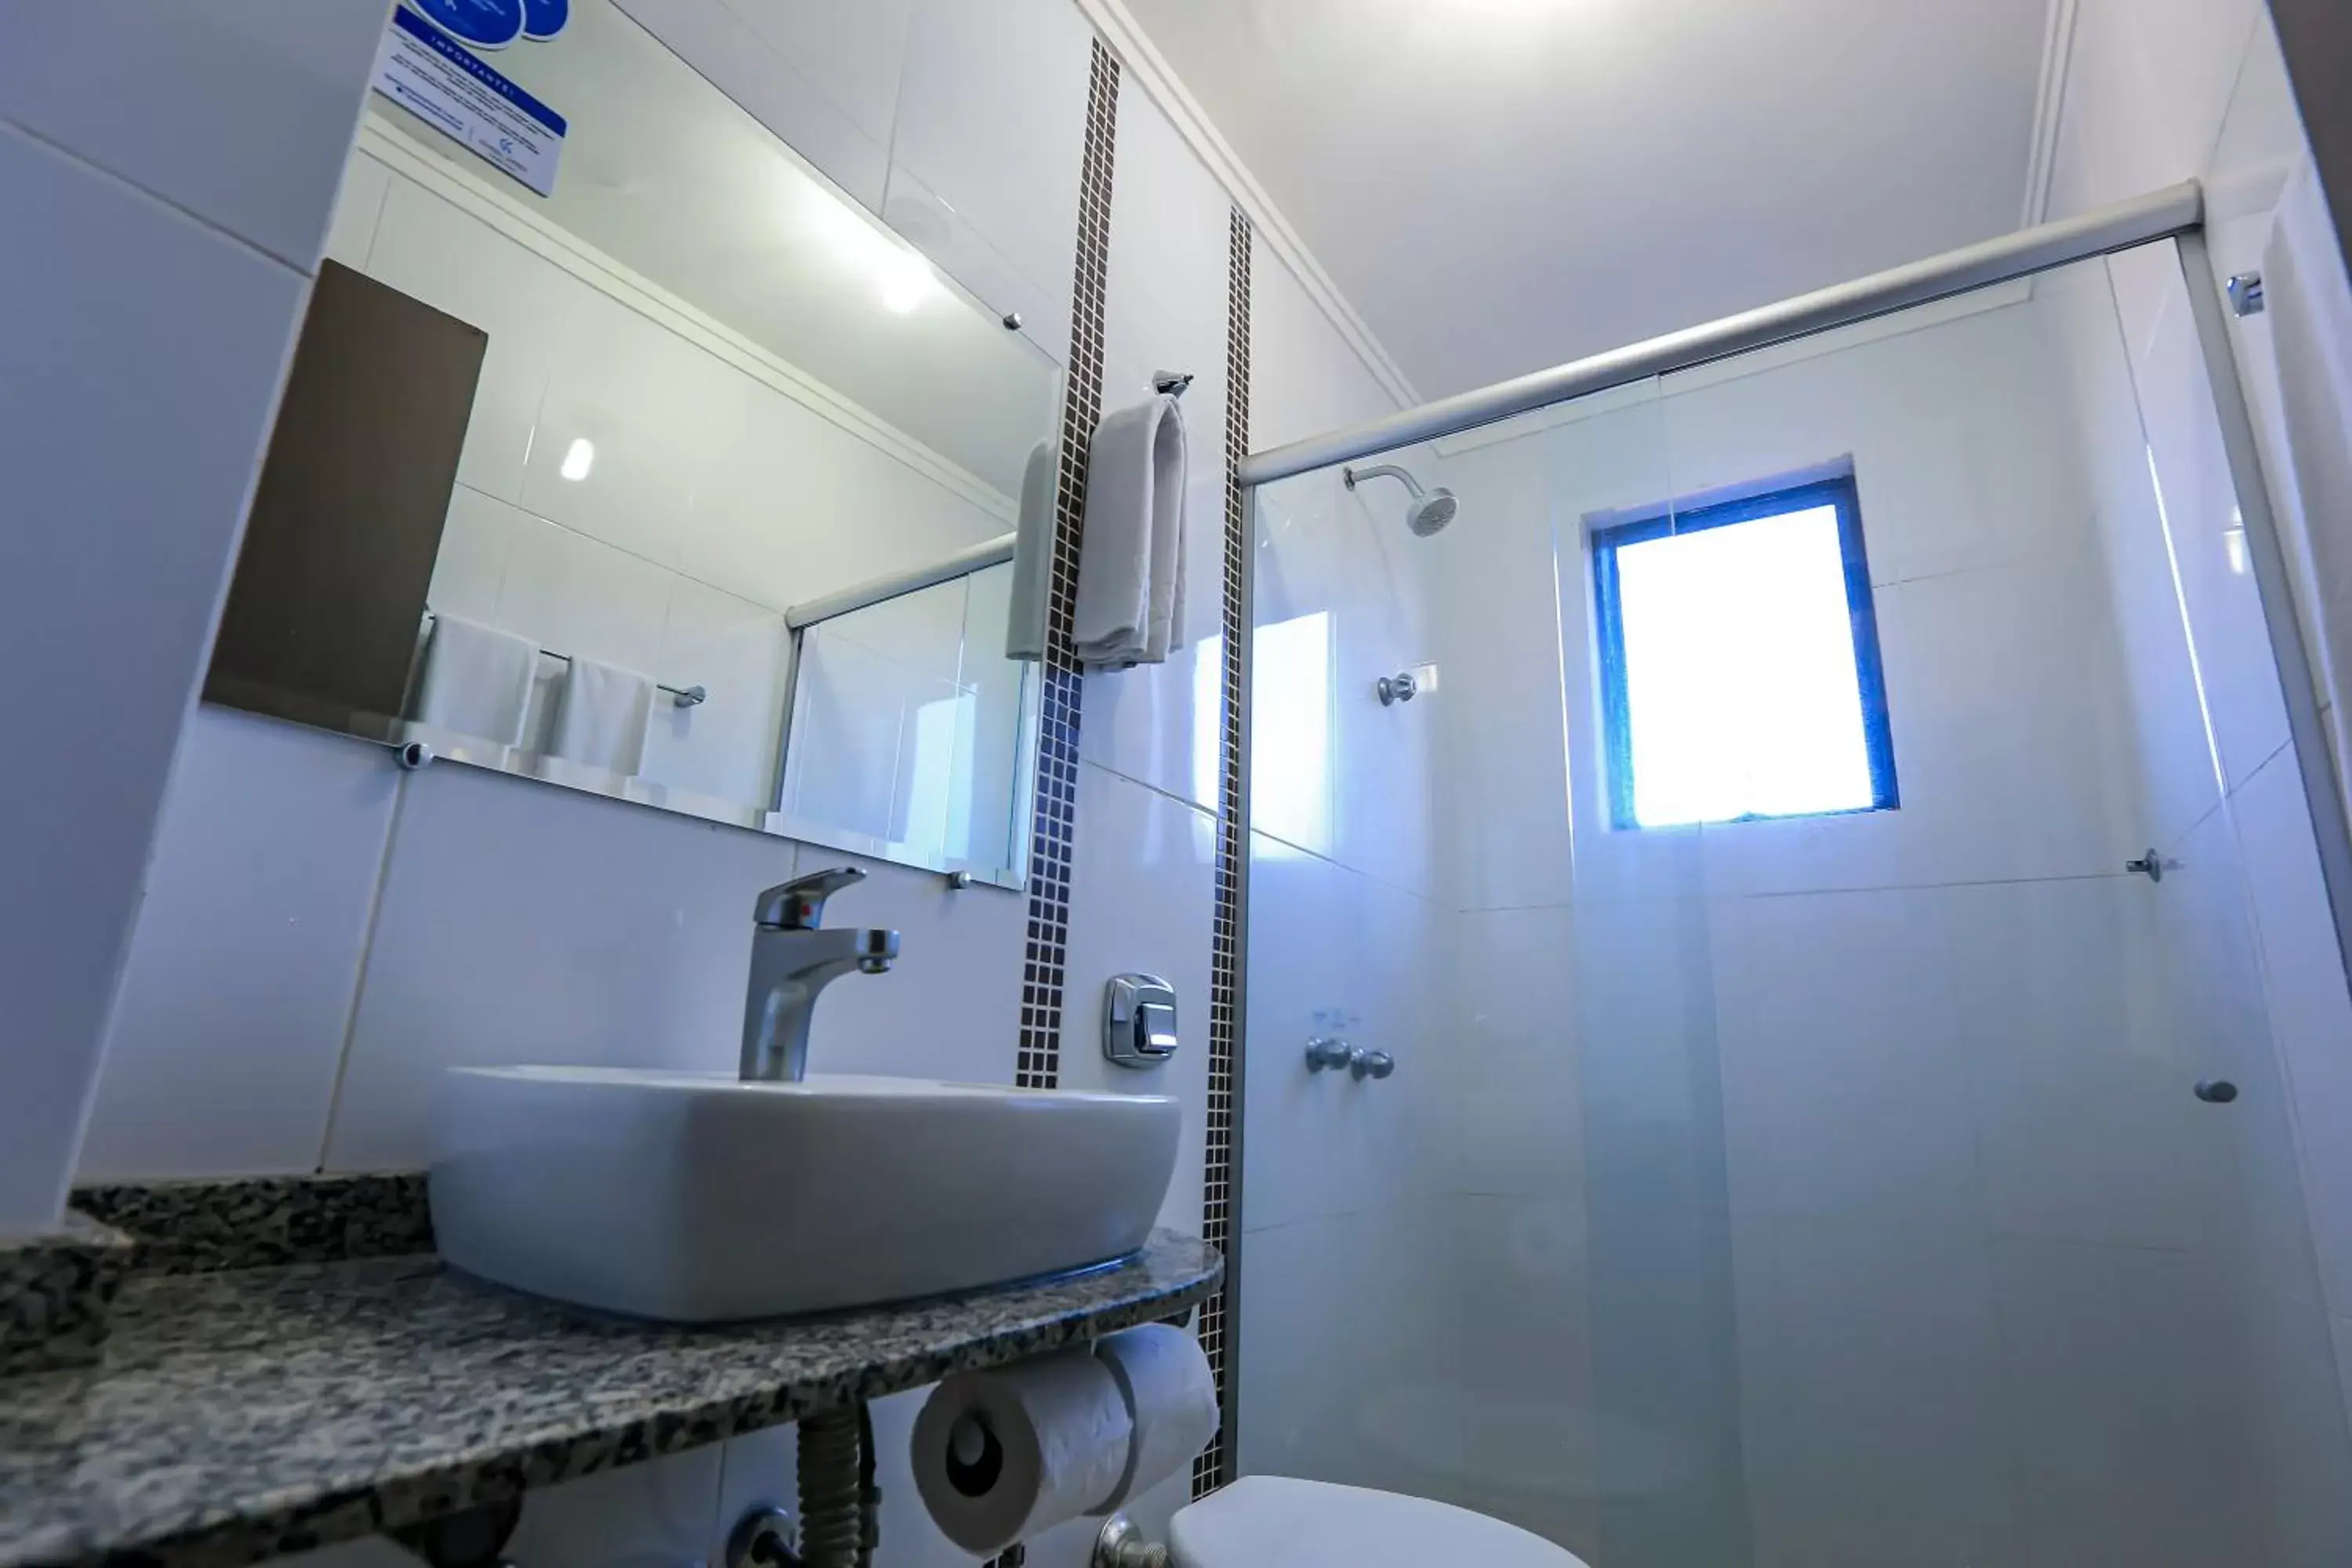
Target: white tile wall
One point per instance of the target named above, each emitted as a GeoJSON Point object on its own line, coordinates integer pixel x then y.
{"type": "Point", "coordinates": [1338, 602]}
{"type": "Point", "coordinates": [2076, 1063]}
{"type": "Point", "coordinates": [1511, 1054]}
{"type": "Point", "coordinates": [1874, 1430]}
{"type": "Point", "coordinates": [1297, 990]}
{"type": "Point", "coordinates": [236, 113]}
{"type": "Point", "coordinates": [145, 322]}
{"type": "Point", "coordinates": [1304, 379]}
{"type": "Point", "coordinates": [524, 924]}
{"type": "Point", "coordinates": [1141, 901]}
{"type": "Point", "coordinates": [1522, 1330]}
{"type": "Point", "coordinates": [229, 1028]}
{"type": "Point", "coordinates": [2176, 774]}
{"type": "Point", "coordinates": [2304, 976]}
{"type": "Point", "coordinates": [1840, 1037]}
{"type": "Point", "coordinates": [948, 1007]}
{"type": "Point", "coordinates": [2199, 507]}
{"type": "Point", "coordinates": [2115, 1464]}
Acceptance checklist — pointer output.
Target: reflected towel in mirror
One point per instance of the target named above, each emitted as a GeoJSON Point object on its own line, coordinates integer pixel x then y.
{"type": "Point", "coordinates": [478, 679]}
{"type": "Point", "coordinates": [1032, 557]}
{"type": "Point", "coordinates": [601, 716]}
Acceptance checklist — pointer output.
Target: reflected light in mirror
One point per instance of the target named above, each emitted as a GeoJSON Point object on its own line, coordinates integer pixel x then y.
{"type": "Point", "coordinates": [937, 777]}
{"type": "Point", "coordinates": [903, 278]}
{"type": "Point", "coordinates": [578, 458]}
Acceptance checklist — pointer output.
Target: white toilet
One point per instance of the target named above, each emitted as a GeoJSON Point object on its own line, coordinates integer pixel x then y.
{"type": "Point", "coordinates": [1267, 1521]}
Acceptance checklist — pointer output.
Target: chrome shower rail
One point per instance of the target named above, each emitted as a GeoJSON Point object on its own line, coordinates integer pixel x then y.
{"type": "Point", "coordinates": [2160, 215]}
{"type": "Point", "coordinates": [973, 558]}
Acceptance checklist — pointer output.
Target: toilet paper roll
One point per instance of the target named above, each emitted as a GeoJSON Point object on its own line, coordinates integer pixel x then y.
{"type": "Point", "coordinates": [1171, 1398]}
{"type": "Point", "coordinates": [1000, 1455]}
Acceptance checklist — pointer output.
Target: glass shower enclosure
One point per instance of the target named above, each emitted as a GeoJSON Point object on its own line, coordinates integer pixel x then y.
{"type": "Point", "coordinates": [1844, 902]}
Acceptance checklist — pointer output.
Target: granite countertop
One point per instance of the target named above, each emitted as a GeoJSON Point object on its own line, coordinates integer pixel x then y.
{"type": "Point", "coordinates": [238, 1414]}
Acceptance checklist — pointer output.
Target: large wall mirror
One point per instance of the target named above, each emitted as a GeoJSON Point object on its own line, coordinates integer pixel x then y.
{"type": "Point", "coordinates": [673, 477]}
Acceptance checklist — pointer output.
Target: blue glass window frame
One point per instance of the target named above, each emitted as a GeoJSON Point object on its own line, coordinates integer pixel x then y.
{"type": "Point", "coordinates": [1616, 709]}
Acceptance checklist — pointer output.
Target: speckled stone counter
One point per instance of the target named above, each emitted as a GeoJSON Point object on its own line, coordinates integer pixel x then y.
{"type": "Point", "coordinates": [56, 1292]}
{"type": "Point", "coordinates": [236, 1415]}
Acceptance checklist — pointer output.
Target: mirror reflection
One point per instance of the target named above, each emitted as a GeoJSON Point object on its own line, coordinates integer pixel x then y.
{"type": "Point", "coordinates": [685, 481]}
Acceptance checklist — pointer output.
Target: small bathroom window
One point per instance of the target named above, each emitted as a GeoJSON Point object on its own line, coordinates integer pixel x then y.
{"type": "Point", "coordinates": [1739, 669]}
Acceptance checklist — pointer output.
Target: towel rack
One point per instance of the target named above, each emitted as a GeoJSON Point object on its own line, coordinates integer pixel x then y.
{"type": "Point", "coordinates": [680, 696]}
{"type": "Point", "coordinates": [1170, 383]}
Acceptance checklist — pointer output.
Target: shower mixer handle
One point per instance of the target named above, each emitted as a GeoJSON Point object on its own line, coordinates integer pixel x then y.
{"type": "Point", "coordinates": [1330, 1052]}
{"type": "Point", "coordinates": [1372, 1065]}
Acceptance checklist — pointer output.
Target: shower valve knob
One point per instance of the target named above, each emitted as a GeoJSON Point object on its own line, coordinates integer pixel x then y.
{"type": "Point", "coordinates": [1326, 1052]}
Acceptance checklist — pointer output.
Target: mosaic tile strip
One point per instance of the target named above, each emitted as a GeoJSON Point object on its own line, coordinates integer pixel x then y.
{"type": "Point", "coordinates": [56, 1292]}
{"type": "Point", "coordinates": [1054, 821]}
{"type": "Point", "coordinates": [1221, 1168]}
{"type": "Point", "coordinates": [1053, 835]}
{"type": "Point", "coordinates": [261, 1222]}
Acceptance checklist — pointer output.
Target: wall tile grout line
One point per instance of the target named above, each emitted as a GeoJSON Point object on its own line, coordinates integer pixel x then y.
{"type": "Point", "coordinates": [1219, 1163]}
{"type": "Point", "coordinates": [359, 972]}
{"type": "Point", "coordinates": [1037, 1063]}
{"type": "Point", "coordinates": [11, 126]}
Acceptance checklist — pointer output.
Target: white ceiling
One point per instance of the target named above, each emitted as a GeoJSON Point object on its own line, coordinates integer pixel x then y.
{"type": "Point", "coordinates": [1497, 185]}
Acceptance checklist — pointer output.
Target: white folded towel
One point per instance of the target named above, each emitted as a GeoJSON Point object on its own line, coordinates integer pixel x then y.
{"type": "Point", "coordinates": [1130, 564]}
{"type": "Point", "coordinates": [1032, 556]}
{"type": "Point", "coordinates": [478, 679]}
{"type": "Point", "coordinates": [602, 715]}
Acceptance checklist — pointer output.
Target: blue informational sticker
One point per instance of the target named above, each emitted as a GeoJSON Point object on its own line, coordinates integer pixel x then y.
{"type": "Point", "coordinates": [544, 18]}
{"type": "Point", "coordinates": [484, 23]}
{"type": "Point", "coordinates": [450, 88]}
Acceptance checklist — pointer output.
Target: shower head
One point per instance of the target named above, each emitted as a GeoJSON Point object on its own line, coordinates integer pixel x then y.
{"type": "Point", "coordinates": [1431, 510]}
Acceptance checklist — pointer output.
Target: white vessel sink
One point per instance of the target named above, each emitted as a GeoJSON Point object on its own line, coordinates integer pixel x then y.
{"type": "Point", "coordinates": [698, 1198]}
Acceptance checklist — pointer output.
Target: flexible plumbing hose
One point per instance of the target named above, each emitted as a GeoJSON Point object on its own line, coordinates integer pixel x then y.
{"type": "Point", "coordinates": [869, 1496]}
{"type": "Point", "coordinates": [833, 1481]}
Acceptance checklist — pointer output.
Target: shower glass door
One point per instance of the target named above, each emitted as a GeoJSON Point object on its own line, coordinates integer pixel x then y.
{"type": "Point", "coordinates": [1843, 908]}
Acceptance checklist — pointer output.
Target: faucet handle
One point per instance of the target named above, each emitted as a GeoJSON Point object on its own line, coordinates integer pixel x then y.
{"type": "Point", "coordinates": [799, 904]}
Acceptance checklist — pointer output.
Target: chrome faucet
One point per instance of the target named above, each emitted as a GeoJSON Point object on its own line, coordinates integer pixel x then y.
{"type": "Point", "coordinates": [793, 958]}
